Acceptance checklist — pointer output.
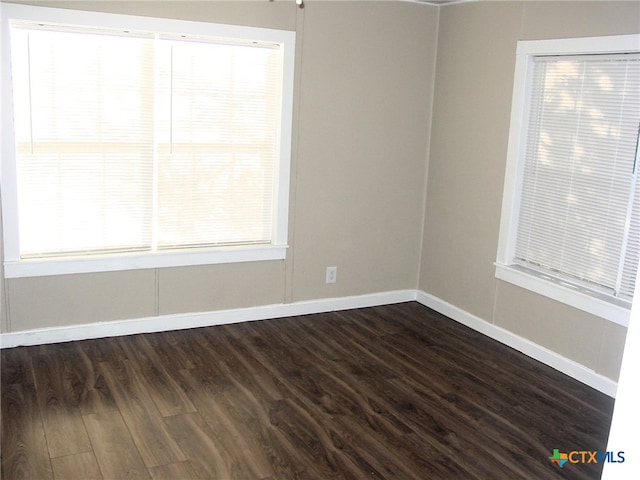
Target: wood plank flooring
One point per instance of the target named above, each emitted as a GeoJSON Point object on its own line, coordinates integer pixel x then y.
{"type": "Point", "coordinates": [394, 392]}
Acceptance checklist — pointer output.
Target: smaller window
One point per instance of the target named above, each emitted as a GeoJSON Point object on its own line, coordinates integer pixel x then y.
{"type": "Point", "coordinates": [571, 210]}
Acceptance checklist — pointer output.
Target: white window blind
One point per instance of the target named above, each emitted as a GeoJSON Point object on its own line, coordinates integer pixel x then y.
{"type": "Point", "coordinates": [84, 151]}
{"type": "Point", "coordinates": [134, 142]}
{"type": "Point", "coordinates": [579, 214]}
{"type": "Point", "coordinates": [218, 136]}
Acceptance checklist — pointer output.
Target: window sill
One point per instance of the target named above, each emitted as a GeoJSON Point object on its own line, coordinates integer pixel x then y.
{"type": "Point", "coordinates": [135, 261]}
{"type": "Point", "coordinates": [608, 308]}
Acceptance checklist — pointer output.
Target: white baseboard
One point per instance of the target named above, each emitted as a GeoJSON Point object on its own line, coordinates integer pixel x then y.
{"type": "Point", "coordinates": [221, 317]}
{"type": "Point", "coordinates": [194, 320]}
{"type": "Point", "coordinates": [529, 348]}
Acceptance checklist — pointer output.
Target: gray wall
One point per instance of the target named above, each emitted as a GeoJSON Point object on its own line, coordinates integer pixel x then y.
{"type": "Point", "coordinates": [474, 79]}
{"type": "Point", "coordinates": [363, 144]}
{"type": "Point", "coordinates": [364, 79]}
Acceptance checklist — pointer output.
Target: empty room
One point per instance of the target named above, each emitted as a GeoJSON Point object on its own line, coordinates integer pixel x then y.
{"type": "Point", "coordinates": [317, 239]}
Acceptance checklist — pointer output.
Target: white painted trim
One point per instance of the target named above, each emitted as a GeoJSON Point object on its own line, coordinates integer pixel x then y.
{"type": "Point", "coordinates": [565, 293]}
{"type": "Point", "coordinates": [205, 319]}
{"type": "Point", "coordinates": [169, 26]}
{"type": "Point", "coordinates": [194, 320]}
{"type": "Point", "coordinates": [579, 46]}
{"type": "Point", "coordinates": [521, 344]}
{"type": "Point", "coordinates": [132, 261]}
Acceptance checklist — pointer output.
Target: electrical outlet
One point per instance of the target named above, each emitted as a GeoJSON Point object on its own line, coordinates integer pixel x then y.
{"type": "Point", "coordinates": [332, 274]}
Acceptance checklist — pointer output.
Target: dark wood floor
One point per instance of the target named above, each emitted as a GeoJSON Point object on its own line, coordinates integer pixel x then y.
{"type": "Point", "coordinates": [395, 392]}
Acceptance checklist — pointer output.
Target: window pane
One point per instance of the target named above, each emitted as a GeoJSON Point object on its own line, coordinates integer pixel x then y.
{"type": "Point", "coordinates": [84, 151]}
{"type": "Point", "coordinates": [218, 150]}
{"type": "Point", "coordinates": [130, 141]}
{"type": "Point", "coordinates": [579, 168]}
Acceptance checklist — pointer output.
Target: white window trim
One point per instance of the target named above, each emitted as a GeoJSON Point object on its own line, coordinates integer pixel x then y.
{"type": "Point", "coordinates": [15, 267]}
{"type": "Point", "coordinates": [132, 261]}
{"type": "Point", "coordinates": [615, 311]}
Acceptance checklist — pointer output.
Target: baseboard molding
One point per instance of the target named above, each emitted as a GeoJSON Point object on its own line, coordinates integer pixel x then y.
{"type": "Point", "coordinates": [221, 317]}
{"type": "Point", "coordinates": [194, 320]}
{"type": "Point", "coordinates": [529, 348]}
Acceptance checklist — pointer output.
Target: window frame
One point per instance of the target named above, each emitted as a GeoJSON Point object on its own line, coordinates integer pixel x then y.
{"type": "Point", "coordinates": [607, 307]}
{"type": "Point", "coordinates": [14, 267]}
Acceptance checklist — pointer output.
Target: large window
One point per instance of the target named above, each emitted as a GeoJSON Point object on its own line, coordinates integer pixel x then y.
{"type": "Point", "coordinates": [571, 213]}
{"type": "Point", "coordinates": [143, 142]}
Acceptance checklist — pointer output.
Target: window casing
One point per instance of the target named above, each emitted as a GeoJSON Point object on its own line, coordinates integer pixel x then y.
{"type": "Point", "coordinates": [570, 226]}
{"type": "Point", "coordinates": [167, 144]}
